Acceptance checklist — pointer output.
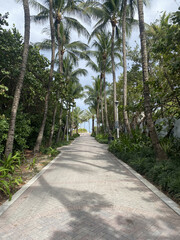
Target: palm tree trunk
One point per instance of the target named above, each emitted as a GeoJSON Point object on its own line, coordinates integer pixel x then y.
{"type": "Point", "coordinates": [59, 130]}
{"type": "Point", "coordinates": [97, 114]}
{"type": "Point", "coordinates": [105, 104]}
{"type": "Point", "coordinates": [53, 123]}
{"type": "Point", "coordinates": [160, 154]}
{"type": "Point", "coordinates": [126, 120]}
{"type": "Point", "coordinates": [64, 133]}
{"type": "Point", "coordinates": [17, 94]}
{"type": "Point", "coordinates": [59, 49]}
{"type": "Point", "coordinates": [60, 71]}
{"type": "Point", "coordinates": [93, 123]}
{"type": "Point", "coordinates": [113, 74]}
{"type": "Point", "coordinates": [101, 99]}
{"type": "Point", "coordinates": [41, 132]}
{"type": "Point", "coordinates": [72, 119]}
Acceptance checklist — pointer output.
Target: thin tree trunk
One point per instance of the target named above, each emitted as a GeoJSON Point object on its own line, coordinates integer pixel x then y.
{"type": "Point", "coordinates": [101, 99]}
{"type": "Point", "coordinates": [126, 120]}
{"type": "Point", "coordinates": [160, 154]}
{"type": "Point", "coordinates": [59, 49]}
{"type": "Point", "coordinates": [93, 123]}
{"type": "Point", "coordinates": [64, 133]}
{"type": "Point", "coordinates": [97, 113]}
{"type": "Point", "coordinates": [53, 123]}
{"type": "Point", "coordinates": [60, 119]}
{"type": "Point", "coordinates": [17, 94]}
{"type": "Point", "coordinates": [60, 71]}
{"type": "Point", "coordinates": [105, 105]}
{"type": "Point", "coordinates": [41, 132]}
{"type": "Point", "coordinates": [72, 119]}
{"type": "Point", "coordinates": [113, 74]}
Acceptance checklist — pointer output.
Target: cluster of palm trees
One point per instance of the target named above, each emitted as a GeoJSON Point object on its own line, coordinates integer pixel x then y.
{"type": "Point", "coordinates": [113, 15]}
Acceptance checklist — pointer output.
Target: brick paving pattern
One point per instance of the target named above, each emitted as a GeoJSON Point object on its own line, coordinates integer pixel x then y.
{"type": "Point", "coordinates": [86, 194]}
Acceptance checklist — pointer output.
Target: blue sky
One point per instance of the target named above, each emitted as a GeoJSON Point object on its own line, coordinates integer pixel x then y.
{"type": "Point", "coordinates": [16, 16]}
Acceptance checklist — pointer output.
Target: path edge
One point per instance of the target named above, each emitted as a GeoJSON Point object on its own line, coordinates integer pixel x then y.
{"type": "Point", "coordinates": [17, 194]}
{"type": "Point", "coordinates": [169, 202]}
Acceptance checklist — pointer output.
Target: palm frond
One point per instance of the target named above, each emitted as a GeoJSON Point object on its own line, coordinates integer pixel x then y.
{"type": "Point", "coordinates": [76, 25]}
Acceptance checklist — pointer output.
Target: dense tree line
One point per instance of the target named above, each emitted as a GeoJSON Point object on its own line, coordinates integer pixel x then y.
{"type": "Point", "coordinates": [37, 95]}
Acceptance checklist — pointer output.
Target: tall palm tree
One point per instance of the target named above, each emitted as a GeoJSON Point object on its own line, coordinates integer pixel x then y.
{"type": "Point", "coordinates": [73, 88]}
{"type": "Point", "coordinates": [63, 22]}
{"type": "Point", "coordinates": [160, 154]}
{"type": "Point", "coordinates": [77, 116]}
{"type": "Point", "coordinates": [109, 13]}
{"type": "Point", "coordinates": [59, 11]}
{"type": "Point", "coordinates": [97, 67]}
{"type": "Point", "coordinates": [92, 98]}
{"type": "Point", "coordinates": [124, 3]}
{"type": "Point", "coordinates": [41, 132]}
{"type": "Point", "coordinates": [17, 94]}
{"type": "Point", "coordinates": [74, 51]}
{"type": "Point", "coordinates": [103, 51]}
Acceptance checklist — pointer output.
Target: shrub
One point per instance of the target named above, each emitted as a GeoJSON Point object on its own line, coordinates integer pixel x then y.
{"type": "Point", "coordinates": [52, 152]}
{"type": "Point", "coordinates": [136, 150]}
{"type": "Point", "coordinates": [75, 135]}
{"type": "Point", "coordinates": [82, 130]}
{"type": "Point", "coordinates": [9, 177]}
{"type": "Point", "coordinates": [93, 134]}
{"type": "Point", "coordinates": [102, 138]}
{"type": "Point", "coordinates": [23, 130]}
{"type": "Point", "coordinates": [3, 132]}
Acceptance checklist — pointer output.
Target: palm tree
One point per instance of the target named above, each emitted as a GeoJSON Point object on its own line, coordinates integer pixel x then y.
{"type": "Point", "coordinates": [17, 94]}
{"type": "Point", "coordinates": [103, 54]}
{"type": "Point", "coordinates": [41, 132]}
{"type": "Point", "coordinates": [98, 68]}
{"type": "Point", "coordinates": [109, 13]}
{"type": "Point", "coordinates": [92, 98]}
{"type": "Point", "coordinates": [160, 154]}
{"type": "Point", "coordinates": [77, 116]}
{"type": "Point", "coordinates": [73, 88]}
{"type": "Point", "coordinates": [124, 3]}
{"type": "Point", "coordinates": [73, 51]}
{"type": "Point", "coordinates": [63, 22]}
{"type": "Point", "coordinates": [59, 10]}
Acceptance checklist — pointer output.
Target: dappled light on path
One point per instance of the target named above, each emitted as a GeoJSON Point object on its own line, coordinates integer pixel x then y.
{"type": "Point", "coordinates": [87, 194]}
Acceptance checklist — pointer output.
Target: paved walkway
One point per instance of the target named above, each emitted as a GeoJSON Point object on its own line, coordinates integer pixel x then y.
{"type": "Point", "coordinates": [87, 194]}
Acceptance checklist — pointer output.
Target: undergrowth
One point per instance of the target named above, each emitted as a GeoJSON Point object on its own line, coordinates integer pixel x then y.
{"type": "Point", "coordinates": [137, 152]}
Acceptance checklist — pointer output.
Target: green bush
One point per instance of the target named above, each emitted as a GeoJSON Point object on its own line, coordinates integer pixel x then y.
{"type": "Point", "coordinates": [136, 151]}
{"type": "Point", "coordinates": [22, 131]}
{"type": "Point", "coordinates": [93, 134]}
{"type": "Point", "coordinates": [50, 151]}
{"type": "Point", "coordinates": [9, 177]}
{"type": "Point", "coordinates": [102, 138]}
{"type": "Point", "coordinates": [82, 130]}
{"type": "Point", "coordinates": [75, 135]}
{"type": "Point", "coordinates": [3, 132]}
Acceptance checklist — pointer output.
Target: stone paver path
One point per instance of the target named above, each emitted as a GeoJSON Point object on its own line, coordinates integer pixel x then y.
{"type": "Point", "coordinates": [87, 194]}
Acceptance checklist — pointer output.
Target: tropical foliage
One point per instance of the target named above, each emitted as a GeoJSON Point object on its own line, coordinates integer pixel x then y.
{"type": "Point", "coordinates": [140, 100]}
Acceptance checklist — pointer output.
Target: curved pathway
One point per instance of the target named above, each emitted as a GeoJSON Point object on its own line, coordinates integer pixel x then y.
{"type": "Point", "coordinates": [86, 194]}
